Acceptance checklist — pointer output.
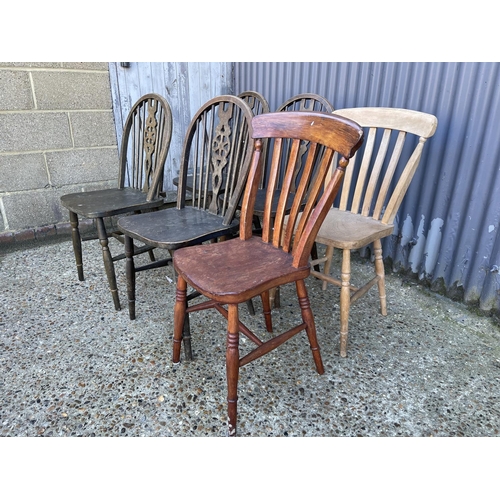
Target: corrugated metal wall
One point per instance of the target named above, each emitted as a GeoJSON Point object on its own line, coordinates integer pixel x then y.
{"type": "Point", "coordinates": [448, 226]}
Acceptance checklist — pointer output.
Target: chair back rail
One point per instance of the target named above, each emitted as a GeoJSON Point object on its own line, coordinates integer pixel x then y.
{"type": "Point", "coordinates": [370, 194]}
{"type": "Point", "coordinates": [145, 143]}
{"type": "Point", "coordinates": [312, 198]}
{"type": "Point", "coordinates": [215, 151]}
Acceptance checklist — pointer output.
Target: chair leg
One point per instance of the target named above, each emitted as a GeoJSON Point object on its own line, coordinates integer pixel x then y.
{"type": "Point", "coordinates": [179, 316]}
{"type": "Point", "coordinates": [380, 272]}
{"type": "Point", "coordinates": [308, 318]}
{"type": "Point", "coordinates": [345, 300]}
{"type": "Point", "coordinates": [232, 367]}
{"type": "Point", "coordinates": [108, 261]}
{"type": "Point", "coordinates": [186, 329]}
{"type": "Point", "coordinates": [266, 307]}
{"type": "Point", "coordinates": [328, 263]}
{"type": "Point", "coordinates": [314, 256]}
{"type": "Point", "coordinates": [77, 244]}
{"type": "Point", "coordinates": [130, 271]}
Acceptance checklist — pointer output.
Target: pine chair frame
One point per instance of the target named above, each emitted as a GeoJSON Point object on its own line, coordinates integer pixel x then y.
{"type": "Point", "coordinates": [369, 204]}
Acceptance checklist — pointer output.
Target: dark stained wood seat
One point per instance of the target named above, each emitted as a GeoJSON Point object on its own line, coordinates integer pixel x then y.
{"type": "Point", "coordinates": [217, 150]}
{"type": "Point", "coordinates": [145, 143]}
{"type": "Point", "coordinates": [233, 271]}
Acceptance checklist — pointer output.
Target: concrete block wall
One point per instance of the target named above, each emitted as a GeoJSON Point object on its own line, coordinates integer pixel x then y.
{"type": "Point", "coordinates": [57, 136]}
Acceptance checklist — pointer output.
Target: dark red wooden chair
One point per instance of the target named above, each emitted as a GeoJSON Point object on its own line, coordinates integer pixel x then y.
{"type": "Point", "coordinates": [231, 272]}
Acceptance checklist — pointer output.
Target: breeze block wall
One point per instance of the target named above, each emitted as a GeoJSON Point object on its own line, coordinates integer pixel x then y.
{"type": "Point", "coordinates": [57, 136]}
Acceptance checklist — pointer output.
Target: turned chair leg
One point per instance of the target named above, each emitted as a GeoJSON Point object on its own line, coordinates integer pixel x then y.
{"type": "Point", "coordinates": [108, 261]}
{"type": "Point", "coordinates": [345, 300]}
{"type": "Point", "coordinates": [77, 244]}
{"type": "Point", "coordinates": [328, 264]}
{"type": "Point", "coordinates": [380, 272]}
{"type": "Point", "coordinates": [232, 367]}
{"type": "Point", "coordinates": [130, 272]}
{"type": "Point", "coordinates": [179, 316]}
{"type": "Point", "coordinates": [308, 318]}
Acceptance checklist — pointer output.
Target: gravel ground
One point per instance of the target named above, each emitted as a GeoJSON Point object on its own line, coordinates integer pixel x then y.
{"type": "Point", "coordinates": [70, 365]}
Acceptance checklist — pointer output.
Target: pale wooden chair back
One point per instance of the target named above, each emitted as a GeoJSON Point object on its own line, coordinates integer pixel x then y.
{"type": "Point", "coordinates": [377, 192]}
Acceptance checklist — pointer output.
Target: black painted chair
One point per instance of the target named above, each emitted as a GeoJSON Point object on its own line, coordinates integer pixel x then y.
{"type": "Point", "coordinates": [144, 148]}
{"type": "Point", "coordinates": [216, 157]}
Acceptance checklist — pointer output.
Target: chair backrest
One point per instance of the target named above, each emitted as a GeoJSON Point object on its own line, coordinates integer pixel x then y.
{"type": "Point", "coordinates": [302, 102]}
{"type": "Point", "coordinates": [256, 101]}
{"type": "Point", "coordinates": [326, 135]}
{"type": "Point", "coordinates": [386, 166]}
{"type": "Point", "coordinates": [306, 102]}
{"type": "Point", "coordinates": [145, 143]}
{"type": "Point", "coordinates": [216, 154]}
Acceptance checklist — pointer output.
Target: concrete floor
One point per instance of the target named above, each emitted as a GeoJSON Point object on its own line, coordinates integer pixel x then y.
{"type": "Point", "coordinates": [71, 365]}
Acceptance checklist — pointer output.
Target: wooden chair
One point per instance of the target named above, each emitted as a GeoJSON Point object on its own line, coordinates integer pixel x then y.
{"type": "Point", "coordinates": [258, 104]}
{"type": "Point", "coordinates": [299, 102]}
{"type": "Point", "coordinates": [370, 201]}
{"type": "Point", "coordinates": [231, 272]}
{"type": "Point", "coordinates": [217, 151]}
{"type": "Point", "coordinates": [144, 147]}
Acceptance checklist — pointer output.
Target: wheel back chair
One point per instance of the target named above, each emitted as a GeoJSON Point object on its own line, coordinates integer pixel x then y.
{"type": "Point", "coordinates": [370, 200]}
{"type": "Point", "coordinates": [216, 152]}
{"type": "Point", "coordinates": [144, 147]}
{"type": "Point", "coordinates": [229, 273]}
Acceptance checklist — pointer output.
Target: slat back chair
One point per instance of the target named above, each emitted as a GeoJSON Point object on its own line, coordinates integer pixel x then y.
{"type": "Point", "coordinates": [299, 102]}
{"type": "Point", "coordinates": [143, 152]}
{"type": "Point", "coordinates": [216, 155]}
{"type": "Point", "coordinates": [370, 200]}
{"type": "Point", "coordinates": [231, 272]}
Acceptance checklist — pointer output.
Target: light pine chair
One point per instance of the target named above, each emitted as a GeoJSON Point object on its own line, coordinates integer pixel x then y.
{"type": "Point", "coordinates": [370, 199]}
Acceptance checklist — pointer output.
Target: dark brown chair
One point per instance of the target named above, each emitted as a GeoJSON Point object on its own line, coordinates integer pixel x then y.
{"type": "Point", "coordinates": [258, 104]}
{"type": "Point", "coordinates": [216, 154]}
{"type": "Point", "coordinates": [231, 272]}
{"type": "Point", "coordinates": [144, 147]}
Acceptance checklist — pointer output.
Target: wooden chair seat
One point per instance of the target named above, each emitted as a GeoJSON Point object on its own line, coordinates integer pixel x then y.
{"type": "Point", "coordinates": [108, 202]}
{"type": "Point", "coordinates": [237, 270]}
{"type": "Point", "coordinates": [173, 228]}
{"type": "Point", "coordinates": [351, 231]}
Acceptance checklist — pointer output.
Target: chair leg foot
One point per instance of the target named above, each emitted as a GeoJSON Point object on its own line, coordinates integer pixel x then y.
{"type": "Point", "coordinates": [108, 262]}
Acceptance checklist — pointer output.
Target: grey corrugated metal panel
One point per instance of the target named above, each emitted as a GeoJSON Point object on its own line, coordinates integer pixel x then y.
{"type": "Point", "coordinates": [452, 210]}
